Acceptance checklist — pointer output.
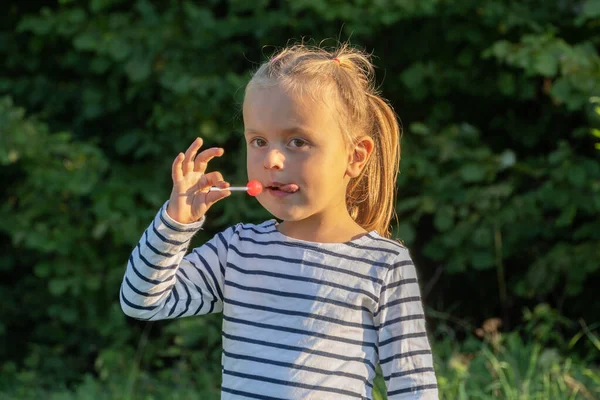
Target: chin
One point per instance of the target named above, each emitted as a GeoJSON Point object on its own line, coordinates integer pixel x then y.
{"type": "Point", "coordinates": [284, 215]}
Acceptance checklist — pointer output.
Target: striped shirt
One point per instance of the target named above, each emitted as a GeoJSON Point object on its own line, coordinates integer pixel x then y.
{"type": "Point", "coordinates": [301, 320]}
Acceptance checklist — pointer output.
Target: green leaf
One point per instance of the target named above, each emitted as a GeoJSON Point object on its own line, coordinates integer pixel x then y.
{"type": "Point", "coordinates": [43, 269]}
{"type": "Point", "coordinates": [472, 172]}
{"type": "Point", "coordinates": [546, 64]}
{"type": "Point", "coordinates": [444, 218]}
{"type": "Point", "coordinates": [405, 232]}
{"type": "Point", "coordinates": [482, 237]}
{"type": "Point", "coordinates": [127, 142]}
{"type": "Point", "coordinates": [591, 9]}
{"type": "Point", "coordinates": [58, 286]}
{"type": "Point", "coordinates": [86, 41]}
{"type": "Point", "coordinates": [482, 260]}
{"type": "Point", "coordinates": [428, 204]}
{"type": "Point", "coordinates": [138, 69]}
{"type": "Point", "coordinates": [419, 128]}
{"type": "Point", "coordinates": [566, 217]}
{"type": "Point", "coordinates": [119, 49]}
{"type": "Point", "coordinates": [577, 176]}
{"type": "Point", "coordinates": [456, 264]}
{"type": "Point", "coordinates": [507, 84]}
{"type": "Point", "coordinates": [100, 5]}
{"type": "Point", "coordinates": [39, 25]}
{"type": "Point", "coordinates": [76, 16]}
{"type": "Point", "coordinates": [508, 159]}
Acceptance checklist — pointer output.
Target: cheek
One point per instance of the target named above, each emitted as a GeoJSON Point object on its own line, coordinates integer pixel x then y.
{"type": "Point", "coordinates": [252, 159]}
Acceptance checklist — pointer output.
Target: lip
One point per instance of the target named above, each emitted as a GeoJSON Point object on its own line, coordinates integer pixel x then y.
{"type": "Point", "coordinates": [274, 183]}
{"type": "Point", "coordinates": [279, 193]}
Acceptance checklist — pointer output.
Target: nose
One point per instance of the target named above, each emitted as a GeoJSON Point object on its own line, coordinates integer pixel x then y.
{"type": "Point", "coordinates": [274, 159]}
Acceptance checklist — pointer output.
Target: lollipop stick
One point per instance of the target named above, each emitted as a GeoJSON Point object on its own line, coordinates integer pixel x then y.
{"type": "Point", "coordinates": [232, 188]}
{"type": "Point", "coordinates": [254, 188]}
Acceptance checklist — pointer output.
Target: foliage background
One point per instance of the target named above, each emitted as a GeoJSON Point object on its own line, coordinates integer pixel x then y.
{"type": "Point", "coordinates": [499, 191]}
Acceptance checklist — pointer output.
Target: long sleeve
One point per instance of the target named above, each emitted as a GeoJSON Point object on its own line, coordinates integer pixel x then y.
{"type": "Point", "coordinates": [404, 351]}
{"type": "Point", "coordinates": [162, 282]}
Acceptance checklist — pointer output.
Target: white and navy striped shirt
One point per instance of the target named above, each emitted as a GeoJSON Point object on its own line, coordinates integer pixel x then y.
{"type": "Point", "coordinates": [301, 320]}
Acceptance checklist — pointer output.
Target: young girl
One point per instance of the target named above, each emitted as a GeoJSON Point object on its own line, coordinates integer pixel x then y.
{"type": "Point", "coordinates": [313, 303]}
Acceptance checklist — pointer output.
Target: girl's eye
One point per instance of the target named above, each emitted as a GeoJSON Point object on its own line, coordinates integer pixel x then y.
{"type": "Point", "coordinates": [297, 143]}
{"type": "Point", "coordinates": [258, 142]}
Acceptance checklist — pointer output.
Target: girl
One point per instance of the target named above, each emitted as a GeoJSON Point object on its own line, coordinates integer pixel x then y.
{"type": "Point", "coordinates": [313, 303]}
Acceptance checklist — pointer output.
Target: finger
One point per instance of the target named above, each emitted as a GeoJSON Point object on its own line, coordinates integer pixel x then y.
{"type": "Point", "coordinates": [176, 171]}
{"type": "Point", "coordinates": [190, 154]}
{"type": "Point", "coordinates": [203, 158]}
{"type": "Point", "coordinates": [213, 197]}
{"type": "Point", "coordinates": [210, 179]}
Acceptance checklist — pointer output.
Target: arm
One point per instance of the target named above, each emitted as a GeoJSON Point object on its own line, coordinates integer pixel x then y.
{"type": "Point", "coordinates": [161, 283]}
{"type": "Point", "coordinates": [404, 350]}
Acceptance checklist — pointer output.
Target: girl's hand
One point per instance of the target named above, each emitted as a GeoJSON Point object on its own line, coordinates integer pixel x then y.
{"type": "Point", "coordinates": [190, 198]}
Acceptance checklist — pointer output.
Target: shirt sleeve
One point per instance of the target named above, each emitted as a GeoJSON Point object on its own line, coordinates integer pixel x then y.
{"type": "Point", "coordinates": [404, 351]}
{"type": "Point", "coordinates": [162, 282]}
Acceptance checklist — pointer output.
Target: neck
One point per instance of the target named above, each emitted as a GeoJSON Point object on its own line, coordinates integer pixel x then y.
{"type": "Point", "coordinates": [323, 229]}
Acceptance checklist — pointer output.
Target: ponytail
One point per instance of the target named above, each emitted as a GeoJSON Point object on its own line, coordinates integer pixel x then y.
{"type": "Point", "coordinates": [371, 197]}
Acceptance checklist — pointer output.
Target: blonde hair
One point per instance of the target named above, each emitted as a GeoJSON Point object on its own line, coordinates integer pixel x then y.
{"type": "Point", "coordinates": [347, 74]}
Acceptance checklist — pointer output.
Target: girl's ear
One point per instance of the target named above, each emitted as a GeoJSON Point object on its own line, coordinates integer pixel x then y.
{"type": "Point", "coordinates": [359, 156]}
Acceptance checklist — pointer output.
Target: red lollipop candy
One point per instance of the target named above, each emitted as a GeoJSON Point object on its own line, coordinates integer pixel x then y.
{"type": "Point", "coordinates": [254, 187]}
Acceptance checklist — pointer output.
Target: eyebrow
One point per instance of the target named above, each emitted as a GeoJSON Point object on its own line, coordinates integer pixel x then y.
{"type": "Point", "coordinates": [288, 131]}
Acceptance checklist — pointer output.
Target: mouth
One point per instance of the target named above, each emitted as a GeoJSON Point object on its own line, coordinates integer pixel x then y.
{"type": "Point", "coordinates": [282, 189]}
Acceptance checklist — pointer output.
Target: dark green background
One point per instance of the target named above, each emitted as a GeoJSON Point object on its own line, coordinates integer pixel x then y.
{"type": "Point", "coordinates": [498, 195]}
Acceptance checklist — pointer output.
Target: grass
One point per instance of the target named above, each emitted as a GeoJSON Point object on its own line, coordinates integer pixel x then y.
{"type": "Point", "coordinates": [517, 370]}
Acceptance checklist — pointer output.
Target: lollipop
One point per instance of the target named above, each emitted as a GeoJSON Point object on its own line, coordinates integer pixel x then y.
{"type": "Point", "coordinates": [253, 187]}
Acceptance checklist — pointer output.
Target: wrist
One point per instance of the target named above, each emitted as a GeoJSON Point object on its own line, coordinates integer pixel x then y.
{"type": "Point", "coordinates": [176, 217]}
{"type": "Point", "coordinates": [178, 222]}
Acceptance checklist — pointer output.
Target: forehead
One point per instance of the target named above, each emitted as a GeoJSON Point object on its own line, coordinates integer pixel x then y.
{"type": "Point", "coordinates": [272, 108]}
